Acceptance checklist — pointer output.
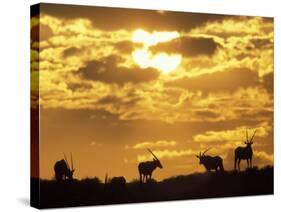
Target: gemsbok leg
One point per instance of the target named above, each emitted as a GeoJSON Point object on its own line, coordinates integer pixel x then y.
{"type": "Point", "coordinates": [235, 163]}
{"type": "Point", "coordinates": [251, 164]}
{"type": "Point", "coordinates": [239, 160]}
{"type": "Point", "coordinates": [140, 178]}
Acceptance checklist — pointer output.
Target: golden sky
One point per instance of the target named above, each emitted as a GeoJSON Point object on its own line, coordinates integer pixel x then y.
{"type": "Point", "coordinates": [114, 82]}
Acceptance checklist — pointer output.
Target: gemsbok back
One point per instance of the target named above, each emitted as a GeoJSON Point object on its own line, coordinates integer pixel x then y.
{"type": "Point", "coordinates": [244, 153]}
{"type": "Point", "coordinates": [211, 163]}
{"type": "Point", "coordinates": [62, 169]}
{"type": "Point", "coordinates": [115, 183]}
{"type": "Point", "coordinates": [146, 168]}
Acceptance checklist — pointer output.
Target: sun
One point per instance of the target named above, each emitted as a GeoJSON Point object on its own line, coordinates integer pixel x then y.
{"type": "Point", "coordinates": [161, 61]}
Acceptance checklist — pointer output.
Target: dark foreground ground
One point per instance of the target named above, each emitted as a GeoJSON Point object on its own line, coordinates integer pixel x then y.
{"type": "Point", "coordinates": [194, 186]}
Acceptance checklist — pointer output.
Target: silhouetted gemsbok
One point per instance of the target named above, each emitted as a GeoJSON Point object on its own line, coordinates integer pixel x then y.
{"type": "Point", "coordinates": [211, 163]}
{"type": "Point", "coordinates": [115, 183]}
{"type": "Point", "coordinates": [146, 168]}
{"type": "Point", "coordinates": [244, 153]}
{"type": "Point", "coordinates": [63, 170]}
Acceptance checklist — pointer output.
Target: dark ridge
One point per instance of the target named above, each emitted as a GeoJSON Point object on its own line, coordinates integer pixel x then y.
{"type": "Point", "coordinates": [92, 191]}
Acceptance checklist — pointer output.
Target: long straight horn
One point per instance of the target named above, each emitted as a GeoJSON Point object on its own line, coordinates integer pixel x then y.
{"type": "Point", "coordinates": [106, 179]}
{"type": "Point", "coordinates": [153, 154]}
{"type": "Point", "coordinates": [247, 136]}
{"type": "Point", "coordinates": [65, 158]}
{"type": "Point", "coordinates": [206, 151]}
{"type": "Point", "coordinates": [253, 136]}
{"type": "Point", "coordinates": [71, 161]}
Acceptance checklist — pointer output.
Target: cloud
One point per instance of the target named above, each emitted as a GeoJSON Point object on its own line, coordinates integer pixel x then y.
{"type": "Point", "coordinates": [228, 80]}
{"type": "Point", "coordinates": [34, 31]}
{"type": "Point", "coordinates": [261, 43]}
{"type": "Point", "coordinates": [236, 26]}
{"type": "Point", "coordinates": [107, 18]}
{"type": "Point", "coordinates": [95, 144]}
{"type": "Point", "coordinates": [263, 158]}
{"type": "Point", "coordinates": [167, 154]}
{"type": "Point", "coordinates": [116, 104]}
{"type": "Point", "coordinates": [153, 144]}
{"type": "Point", "coordinates": [206, 113]}
{"type": "Point", "coordinates": [126, 46]}
{"type": "Point", "coordinates": [72, 51]}
{"type": "Point", "coordinates": [189, 46]}
{"type": "Point", "coordinates": [87, 67]}
{"type": "Point", "coordinates": [233, 135]}
{"type": "Point", "coordinates": [268, 82]}
{"type": "Point", "coordinates": [45, 32]}
{"type": "Point", "coordinates": [107, 70]}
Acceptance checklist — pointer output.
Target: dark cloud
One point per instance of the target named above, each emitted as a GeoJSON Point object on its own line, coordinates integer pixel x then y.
{"type": "Point", "coordinates": [71, 51]}
{"type": "Point", "coordinates": [188, 46]}
{"type": "Point", "coordinates": [45, 32]}
{"type": "Point", "coordinates": [256, 43]}
{"type": "Point", "coordinates": [41, 33]}
{"type": "Point", "coordinates": [34, 33]}
{"type": "Point", "coordinates": [126, 46]}
{"type": "Point", "coordinates": [79, 86]}
{"type": "Point", "coordinates": [229, 80]}
{"type": "Point", "coordinates": [261, 115]}
{"type": "Point", "coordinates": [262, 43]}
{"type": "Point", "coordinates": [107, 18]}
{"type": "Point", "coordinates": [118, 102]}
{"type": "Point", "coordinates": [268, 82]}
{"type": "Point", "coordinates": [107, 70]}
{"type": "Point", "coordinates": [207, 113]}
{"type": "Point", "coordinates": [109, 99]}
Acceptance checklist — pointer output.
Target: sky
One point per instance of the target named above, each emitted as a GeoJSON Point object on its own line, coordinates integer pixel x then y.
{"type": "Point", "coordinates": [114, 82]}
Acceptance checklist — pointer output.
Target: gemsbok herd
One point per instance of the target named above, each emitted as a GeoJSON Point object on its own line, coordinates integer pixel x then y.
{"type": "Point", "coordinates": [64, 172]}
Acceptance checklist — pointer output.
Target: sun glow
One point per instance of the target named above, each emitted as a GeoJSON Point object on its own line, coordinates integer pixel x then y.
{"type": "Point", "coordinates": [162, 61]}
{"type": "Point", "coordinates": [150, 39]}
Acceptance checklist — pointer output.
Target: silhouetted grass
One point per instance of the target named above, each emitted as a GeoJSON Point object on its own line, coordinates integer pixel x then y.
{"type": "Point", "coordinates": [193, 186]}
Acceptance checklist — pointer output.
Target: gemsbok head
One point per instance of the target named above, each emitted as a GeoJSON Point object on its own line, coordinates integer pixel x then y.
{"type": "Point", "coordinates": [62, 169]}
{"type": "Point", "coordinates": [244, 153]}
{"type": "Point", "coordinates": [209, 162]}
{"type": "Point", "coordinates": [146, 168]}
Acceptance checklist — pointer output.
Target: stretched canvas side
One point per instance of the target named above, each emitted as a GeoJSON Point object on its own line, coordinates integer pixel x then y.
{"type": "Point", "coordinates": [34, 106]}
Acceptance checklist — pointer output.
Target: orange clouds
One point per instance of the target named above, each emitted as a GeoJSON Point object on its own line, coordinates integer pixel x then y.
{"type": "Point", "coordinates": [150, 144]}
{"type": "Point", "coordinates": [87, 59]}
{"type": "Point", "coordinates": [168, 154]}
{"type": "Point", "coordinates": [105, 81]}
{"type": "Point", "coordinates": [235, 135]}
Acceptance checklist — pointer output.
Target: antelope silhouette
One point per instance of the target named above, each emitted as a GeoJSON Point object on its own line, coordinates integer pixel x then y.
{"type": "Point", "coordinates": [63, 170]}
{"type": "Point", "coordinates": [210, 163]}
{"type": "Point", "coordinates": [244, 153]}
{"type": "Point", "coordinates": [146, 168]}
{"type": "Point", "coordinates": [117, 183]}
